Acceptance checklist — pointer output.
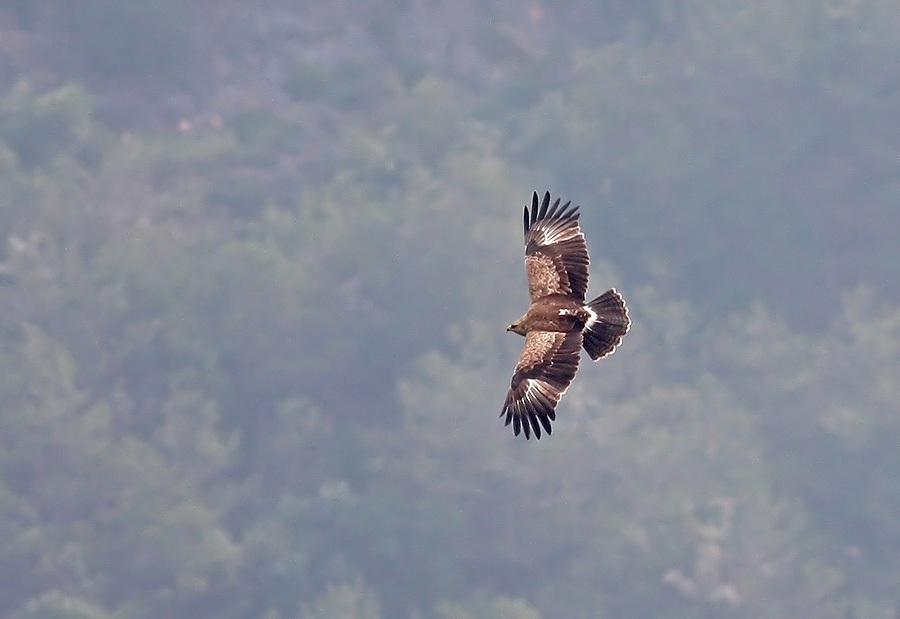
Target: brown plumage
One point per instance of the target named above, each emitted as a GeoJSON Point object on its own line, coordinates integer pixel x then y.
{"type": "Point", "coordinates": [558, 322]}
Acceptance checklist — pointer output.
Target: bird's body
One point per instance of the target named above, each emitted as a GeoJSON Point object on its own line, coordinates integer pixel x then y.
{"type": "Point", "coordinates": [555, 312]}
{"type": "Point", "coordinates": [558, 322]}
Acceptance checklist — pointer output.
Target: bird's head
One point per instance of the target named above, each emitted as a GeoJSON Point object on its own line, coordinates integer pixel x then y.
{"type": "Point", "coordinates": [516, 327]}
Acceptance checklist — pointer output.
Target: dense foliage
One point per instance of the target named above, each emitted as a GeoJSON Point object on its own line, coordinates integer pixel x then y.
{"type": "Point", "coordinates": [256, 266]}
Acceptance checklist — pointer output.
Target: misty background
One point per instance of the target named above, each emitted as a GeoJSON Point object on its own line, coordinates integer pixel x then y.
{"type": "Point", "coordinates": [257, 261]}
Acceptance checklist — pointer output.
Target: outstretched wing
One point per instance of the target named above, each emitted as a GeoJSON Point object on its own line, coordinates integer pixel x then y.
{"type": "Point", "coordinates": [556, 256]}
{"type": "Point", "coordinates": [544, 371]}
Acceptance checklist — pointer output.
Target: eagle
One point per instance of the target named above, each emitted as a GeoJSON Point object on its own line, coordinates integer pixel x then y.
{"type": "Point", "coordinates": [558, 322]}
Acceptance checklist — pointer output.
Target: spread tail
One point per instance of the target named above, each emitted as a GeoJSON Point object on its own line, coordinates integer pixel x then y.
{"type": "Point", "coordinates": [608, 324]}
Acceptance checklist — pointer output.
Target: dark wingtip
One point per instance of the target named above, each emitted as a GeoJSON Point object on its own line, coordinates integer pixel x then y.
{"type": "Point", "coordinates": [529, 418]}
{"type": "Point", "coordinates": [531, 216]}
{"type": "Point", "coordinates": [535, 425]}
{"type": "Point", "coordinates": [545, 421]}
{"type": "Point", "coordinates": [551, 213]}
{"type": "Point", "coordinates": [541, 209]}
{"type": "Point", "coordinates": [545, 204]}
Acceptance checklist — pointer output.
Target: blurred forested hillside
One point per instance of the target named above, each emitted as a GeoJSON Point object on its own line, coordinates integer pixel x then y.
{"type": "Point", "coordinates": [257, 260]}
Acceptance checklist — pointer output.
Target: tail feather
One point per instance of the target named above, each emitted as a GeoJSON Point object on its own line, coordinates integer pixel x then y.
{"type": "Point", "coordinates": [608, 324]}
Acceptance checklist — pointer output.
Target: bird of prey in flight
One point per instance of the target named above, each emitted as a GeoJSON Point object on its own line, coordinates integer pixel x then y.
{"type": "Point", "coordinates": [558, 322]}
